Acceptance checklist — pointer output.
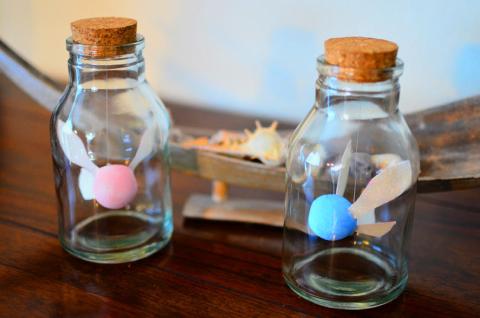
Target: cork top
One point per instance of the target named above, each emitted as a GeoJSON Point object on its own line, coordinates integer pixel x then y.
{"type": "Point", "coordinates": [103, 34]}
{"type": "Point", "coordinates": [361, 58]}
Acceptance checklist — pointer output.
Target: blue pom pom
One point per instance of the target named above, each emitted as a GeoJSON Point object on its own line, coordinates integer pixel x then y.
{"type": "Point", "coordinates": [330, 219]}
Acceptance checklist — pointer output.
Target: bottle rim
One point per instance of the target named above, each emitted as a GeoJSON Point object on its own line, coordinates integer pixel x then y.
{"type": "Point", "coordinates": [105, 51]}
{"type": "Point", "coordinates": [359, 75]}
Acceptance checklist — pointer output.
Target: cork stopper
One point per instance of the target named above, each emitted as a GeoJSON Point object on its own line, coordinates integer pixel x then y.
{"type": "Point", "coordinates": [103, 34]}
{"type": "Point", "coordinates": [361, 59]}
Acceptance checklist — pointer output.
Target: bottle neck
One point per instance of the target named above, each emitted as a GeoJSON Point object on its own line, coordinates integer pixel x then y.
{"type": "Point", "coordinates": [332, 92]}
{"type": "Point", "coordinates": [118, 72]}
{"type": "Point", "coordinates": [374, 98]}
{"type": "Point", "coordinates": [123, 67]}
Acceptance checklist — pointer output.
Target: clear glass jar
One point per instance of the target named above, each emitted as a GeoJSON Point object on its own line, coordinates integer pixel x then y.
{"type": "Point", "coordinates": [109, 137]}
{"type": "Point", "coordinates": [351, 183]}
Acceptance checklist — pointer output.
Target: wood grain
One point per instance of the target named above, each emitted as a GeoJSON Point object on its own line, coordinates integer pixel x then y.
{"type": "Point", "coordinates": [210, 269]}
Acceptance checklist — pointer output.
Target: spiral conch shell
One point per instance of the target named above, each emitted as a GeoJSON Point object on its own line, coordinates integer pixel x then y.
{"type": "Point", "coordinates": [264, 144]}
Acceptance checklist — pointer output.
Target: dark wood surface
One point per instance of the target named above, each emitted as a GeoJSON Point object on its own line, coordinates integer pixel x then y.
{"type": "Point", "coordinates": [210, 268]}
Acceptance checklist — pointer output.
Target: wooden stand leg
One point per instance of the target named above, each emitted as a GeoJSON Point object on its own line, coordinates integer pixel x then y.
{"type": "Point", "coordinates": [219, 191]}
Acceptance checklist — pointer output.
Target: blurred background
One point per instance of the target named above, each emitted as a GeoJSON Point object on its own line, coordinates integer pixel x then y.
{"type": "Point", "coordinates": [259, 57]}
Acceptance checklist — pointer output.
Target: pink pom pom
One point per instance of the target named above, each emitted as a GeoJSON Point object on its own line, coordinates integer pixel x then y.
{"type": "Point", "coordinates": [114, 186]}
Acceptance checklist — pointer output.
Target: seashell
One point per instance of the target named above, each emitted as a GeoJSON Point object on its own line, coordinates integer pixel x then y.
{"type": "Point", "coordinates": [227, 138]}
{"type": "Point", "coordinates": [264, 144]}
{"type": "Point", "coordinates": [196, 142]}
{"type": "Point", "coordinates": [382, 161]}
{"type": "Point", "coordinates": [362, 167]}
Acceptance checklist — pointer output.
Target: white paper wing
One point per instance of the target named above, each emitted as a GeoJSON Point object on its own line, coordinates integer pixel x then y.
{"type": "Point", "coordinates": [377, 229]}
{"type": "Point", "coordinates": [384, 187]}
{"type": "Point", "coordinates": [85, 183]}
{"type": "Point", "coordinates": [73, 147]}
{"type": "Point", "coordinates": [366, 218]}
{"type": "Point", "coordinates": [343, 175]}
{"type": "Point", "coordinates": [147, 143]}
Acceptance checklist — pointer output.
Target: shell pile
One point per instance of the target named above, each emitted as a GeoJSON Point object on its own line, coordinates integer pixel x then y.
{"type": "Point", "coordinates": [264, 144]}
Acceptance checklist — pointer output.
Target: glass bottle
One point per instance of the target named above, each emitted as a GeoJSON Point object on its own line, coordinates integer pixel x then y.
{"type": "Point", "coordinates": [109, 138]}
{"type": "Point", "coordinates": [351, 183]}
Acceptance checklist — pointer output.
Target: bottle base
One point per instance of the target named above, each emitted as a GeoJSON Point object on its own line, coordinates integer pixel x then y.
{"type": "Point", "coordinates": [118, 237]}
{"type": "Point", "coordinates": [121, 257]}
{"type": "Point", "coordinates": [346, 288]}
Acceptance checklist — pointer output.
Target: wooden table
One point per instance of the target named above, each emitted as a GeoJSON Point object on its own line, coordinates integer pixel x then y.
{"type": "Point", "coordinates": [210, 268]}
